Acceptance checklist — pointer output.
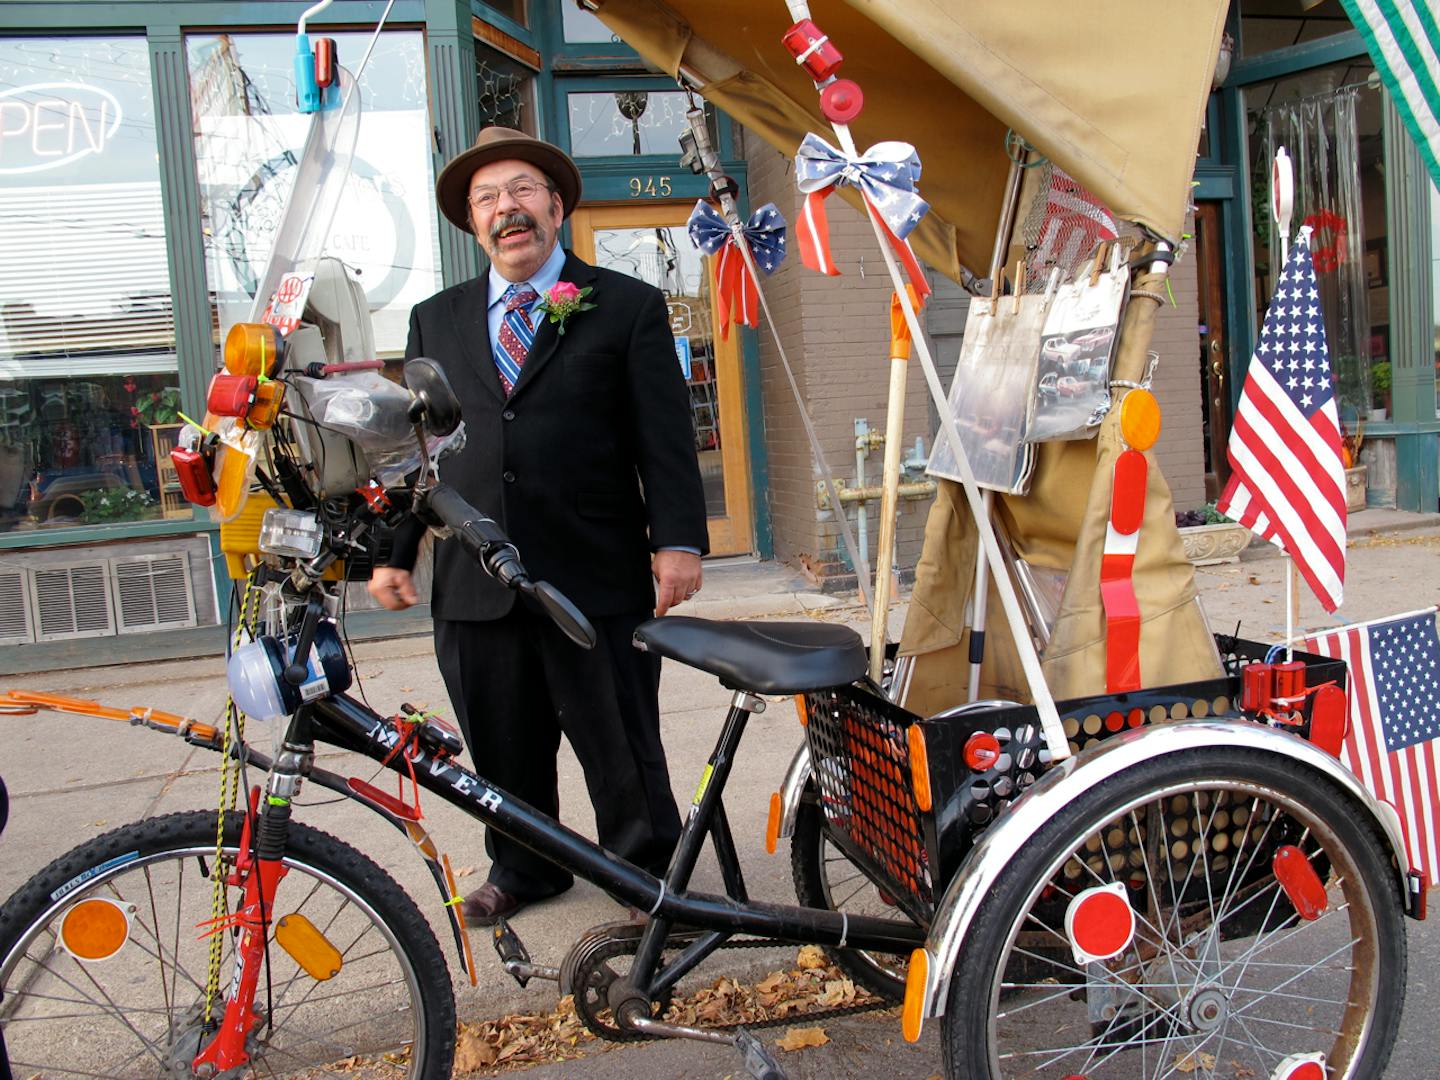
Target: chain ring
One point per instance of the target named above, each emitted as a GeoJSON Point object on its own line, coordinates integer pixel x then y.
{"type": "Point", "coordinates": [587, 974]}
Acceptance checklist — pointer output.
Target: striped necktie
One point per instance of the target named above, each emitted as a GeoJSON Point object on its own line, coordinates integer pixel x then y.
{"type": "Point", "coordinates": [517, 334]}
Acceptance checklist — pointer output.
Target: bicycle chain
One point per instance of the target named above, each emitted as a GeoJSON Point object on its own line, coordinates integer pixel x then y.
{"type": "Point", "coordinates": [608, 1031]}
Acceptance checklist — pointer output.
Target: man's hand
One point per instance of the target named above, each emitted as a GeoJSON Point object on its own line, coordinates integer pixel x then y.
{"type": "Point", "coordinates": [392, 588]}
{"type": "Point", "coordinates": [677, 578]}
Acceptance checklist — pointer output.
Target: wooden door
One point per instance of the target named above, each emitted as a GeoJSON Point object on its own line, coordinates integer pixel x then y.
{"type": "Point", "coordinates": [1214, 345]}
{"type": "Point", "coordinates": [650, 243]}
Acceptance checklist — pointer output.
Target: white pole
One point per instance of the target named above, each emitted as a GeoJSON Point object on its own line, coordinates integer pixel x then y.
{"type": "Point", "coordinates": [1282, 202]}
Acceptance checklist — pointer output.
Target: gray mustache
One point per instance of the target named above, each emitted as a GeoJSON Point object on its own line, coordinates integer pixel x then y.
{"type": "Point", "coordinates": [518, 217]}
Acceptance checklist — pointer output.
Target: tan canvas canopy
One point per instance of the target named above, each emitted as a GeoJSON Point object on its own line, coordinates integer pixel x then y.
{"type": "Point", "coordinates": [1111, 90]}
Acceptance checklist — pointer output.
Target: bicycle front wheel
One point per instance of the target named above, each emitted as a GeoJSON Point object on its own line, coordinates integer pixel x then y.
{"type": "Point", "coordinates": [120, 989]}
{"type": "Point", "coordinates": [1223, 976]}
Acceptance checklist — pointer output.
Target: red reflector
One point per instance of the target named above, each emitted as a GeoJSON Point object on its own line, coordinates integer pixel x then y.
{"type": "Point", "coordinates": [1301, 1067]}
{"type": "Point", "coordinates": [1327, 719]}
{"type": "Point", "coordinates": [981, 752]}
{"type": "Point", "coordinates": [1300, 882]}
{"type": "Point", "coordinates": [1127, 499]}
{"type": "Point", "coordinates": [1255, 682]}
{"type": "Point", "coordinates": [367, 790]}
{"type": "Point", "coordinates": [1099, 922]}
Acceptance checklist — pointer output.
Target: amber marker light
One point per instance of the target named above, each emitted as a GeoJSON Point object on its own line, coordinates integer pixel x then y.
{"type": "Point", "coordinates": [916, 979]}
{"type": "Point", "coordinates": [772, 826]}
{"type": "Point", "coordinates": [919, 767]}
{"type": "Point", "coordinates": [253, 349]}
{"type": "Point", "coordinates": [801, 711]}
{"type": "Point", "coordinates": [95, 929]}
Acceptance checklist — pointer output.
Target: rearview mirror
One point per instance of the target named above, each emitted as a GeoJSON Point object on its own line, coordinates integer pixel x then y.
{"type": "Point", "coordinates": [436, 405]}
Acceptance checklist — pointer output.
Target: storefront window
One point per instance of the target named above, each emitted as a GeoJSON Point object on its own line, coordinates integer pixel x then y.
{"type": "Point", "coordinates": [626, 122]}
{"type": "Point", "coordinates": [88, 385]}
{"type": "Point", "coordinates": [505, 90]}
{"type": "Point", "coordinates": [248, 138]}
{"type": "Point", "coordinates": [581, 27]}
{"type": "Point", "coordinates": [1268, 25]}
{"type": "Point", "coordinates": [1329, 121]}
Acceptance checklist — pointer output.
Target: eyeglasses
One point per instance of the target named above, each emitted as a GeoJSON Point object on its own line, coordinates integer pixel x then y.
{"type": "Point", "coordinates": [522, 190]}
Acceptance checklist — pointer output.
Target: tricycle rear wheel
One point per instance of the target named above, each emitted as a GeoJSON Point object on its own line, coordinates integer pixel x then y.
{"type": "Point", "coordinates": [1223, 977]}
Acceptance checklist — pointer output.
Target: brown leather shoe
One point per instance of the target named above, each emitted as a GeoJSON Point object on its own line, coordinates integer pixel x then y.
{"type": "Point", "coordinates": [488, 903]}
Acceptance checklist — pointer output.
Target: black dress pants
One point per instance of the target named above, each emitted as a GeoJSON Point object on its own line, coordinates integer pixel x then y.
{"type": "Point", "coordinates": [516, 683]}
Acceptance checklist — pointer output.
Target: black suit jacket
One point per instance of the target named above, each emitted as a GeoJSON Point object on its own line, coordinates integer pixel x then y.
{"type": "Point", "coordinates": [589, 465]}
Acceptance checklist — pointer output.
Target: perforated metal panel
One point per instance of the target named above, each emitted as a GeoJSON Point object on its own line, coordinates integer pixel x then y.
{"type": "Point", "coordinates": [16, 624]}
{"type": "Point", "coordinates": [72, 601]}
{"type": "Point", "coordinates": [152, 592]}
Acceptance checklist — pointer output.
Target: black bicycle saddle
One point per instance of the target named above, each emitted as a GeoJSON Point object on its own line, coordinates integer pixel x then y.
{"type": "Point", "coordinates": [762, 657]}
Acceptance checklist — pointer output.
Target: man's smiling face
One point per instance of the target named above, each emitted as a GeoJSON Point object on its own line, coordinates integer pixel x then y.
{"type": "Point", "coordinates": [517, 231]}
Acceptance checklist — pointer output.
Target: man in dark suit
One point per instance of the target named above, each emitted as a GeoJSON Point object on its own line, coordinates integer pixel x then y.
{"type": "Point", "coordinates": [579, 442]}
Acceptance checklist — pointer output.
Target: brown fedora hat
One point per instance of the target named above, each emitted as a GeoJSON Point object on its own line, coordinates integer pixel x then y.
{"type": "Point", "coordinates": [452, 189]}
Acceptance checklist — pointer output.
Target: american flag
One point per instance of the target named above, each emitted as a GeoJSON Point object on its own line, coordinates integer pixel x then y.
{"type": "Point", "coordinates": [1394, 721]}
{"type": "Point", "coordinates": [1288, 484]}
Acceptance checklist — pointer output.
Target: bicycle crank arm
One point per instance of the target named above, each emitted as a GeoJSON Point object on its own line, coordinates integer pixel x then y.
{"type": "Point", "coordinates": [515, 958]}
{"type": "Point", "coordinates": [758, 1061]}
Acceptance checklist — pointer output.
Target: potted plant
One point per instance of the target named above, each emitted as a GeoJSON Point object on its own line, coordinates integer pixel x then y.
{"type": "Point", "coordinates": [1210, 537]}
{"type": "Point", "coordinates": [1380, 385]}
{"type": "Point", "coordinates": [1356, 474]}
{"type": "Point", "coordinates": [158, 407]}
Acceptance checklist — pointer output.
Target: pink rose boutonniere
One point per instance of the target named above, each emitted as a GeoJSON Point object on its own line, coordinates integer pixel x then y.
{"type": "Point", "coordinates": [564, 299]}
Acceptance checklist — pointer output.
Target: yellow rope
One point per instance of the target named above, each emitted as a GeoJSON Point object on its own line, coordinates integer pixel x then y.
{"type": "Point", "coordinates": [229, 790]}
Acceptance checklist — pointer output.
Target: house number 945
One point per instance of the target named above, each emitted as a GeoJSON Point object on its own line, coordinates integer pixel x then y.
{"type": "Point", "coordinates": [649, 186]}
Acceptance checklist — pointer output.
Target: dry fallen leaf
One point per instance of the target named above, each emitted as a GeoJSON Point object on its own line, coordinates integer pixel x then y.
{"type": "Point", "coordinates": [465, 871]}
{"type": "Point", "coordinates": [800, 1038]}
{"type": "Point", "coordinates": [810, 956]}
{"type": "Point", "coordinates": [1254, 579]}
{"type": "Point", "coordinates": [1188, 1063]}
{"type": "Point", "coordinates": [472, 1052]}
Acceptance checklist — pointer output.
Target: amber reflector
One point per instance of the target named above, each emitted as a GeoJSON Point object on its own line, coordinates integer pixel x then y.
{"type": "Point", "coordinates": [308, 947]}
{"type": "Point", "coordinates": [1140, 419]}
{"type": "Point", "coordinates": [916, 981]}
{"type": "Point", "coordinates": [95, 929]}
{"type": "Point", "coordinates": [269, 396]}
{"type": "Point", "coordinates": [252, 349]}
{"type": "Point", "coordinates": [800, 710]}
{"type": "Point", "coordinates": [232, 487]}
{"type": "Point", "coordinates": [919, 767]}
{"type": "Point", "coordinates": [772, 826]}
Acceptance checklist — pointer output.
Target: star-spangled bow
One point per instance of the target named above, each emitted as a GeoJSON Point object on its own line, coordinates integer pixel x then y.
{"type": "Point", "coordinates": [885, 175]}
{"type": "Point", "coordinates": [736, 295]}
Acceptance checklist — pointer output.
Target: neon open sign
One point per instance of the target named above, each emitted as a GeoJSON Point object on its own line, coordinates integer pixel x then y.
{"type": "Point", "coordinates": [46, 125]}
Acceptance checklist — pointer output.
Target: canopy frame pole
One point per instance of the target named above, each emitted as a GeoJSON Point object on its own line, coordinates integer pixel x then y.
{"type": "Point", "coordinates": [1044, 701]}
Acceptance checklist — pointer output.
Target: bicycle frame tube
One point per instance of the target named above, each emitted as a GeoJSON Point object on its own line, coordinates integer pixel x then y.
{"type": "Point", "coordinates": [347, 723]}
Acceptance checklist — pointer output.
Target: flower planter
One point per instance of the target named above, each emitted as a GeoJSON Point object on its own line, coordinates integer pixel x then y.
{"type": "Point", "coordinates": [1206, 545]}
{"type": "Point", "coordinates": [1355, 488]}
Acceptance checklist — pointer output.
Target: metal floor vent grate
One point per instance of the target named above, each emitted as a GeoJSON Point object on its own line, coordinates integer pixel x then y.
{"type": "Point", "coordinates": [152, 592]}
{"type": "Point", "coordinates": [72, 601]}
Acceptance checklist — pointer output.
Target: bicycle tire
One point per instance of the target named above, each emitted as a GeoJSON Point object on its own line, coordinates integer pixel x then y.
{"type": "Point", "coordinates": [355, 905]}
{"type": "Point", "coordinates": [1209, 1002]}
{"type": "Point", "coordinates": [813, 863]}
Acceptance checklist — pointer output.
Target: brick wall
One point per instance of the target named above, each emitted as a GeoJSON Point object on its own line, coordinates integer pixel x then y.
{"type": "Point", "coordinates": [1181, 449]}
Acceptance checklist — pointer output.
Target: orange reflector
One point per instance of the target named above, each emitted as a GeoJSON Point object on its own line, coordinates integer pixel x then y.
{"type": "Point", "coordinates": [1300, 882]}
{"type": "Point", "coordinates": [253, 349]}
{"type": "Point", "coordinates": [95, 929]}
{"type": "Point", "coordinates": [1099, 923]}
{"type": "Point", "coordinates": [919, 767]}
{"type": "Point", "coordinates": [772, 826]}
{"type": "Point", "coordinates": [308, 947]}
{"type": "Point", "coordinates": [268, 397]}
{"type": "Point", "coordinates": [916, 981]}
{"type": "Point", "coordinates": [1140, 419]}
{"type": "Point", "coordinates": [1301, 1067]}
{"type": "Point", "coordinates": [981, 751]}
{"type": "Point", "coordinates": [232, 486]}
{"type": "Point", "coordinates": [801, 711]}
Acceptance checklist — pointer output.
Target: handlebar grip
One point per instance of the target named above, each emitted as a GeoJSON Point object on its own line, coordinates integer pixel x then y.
{"type": "Point", "coordinates": [478, 534]}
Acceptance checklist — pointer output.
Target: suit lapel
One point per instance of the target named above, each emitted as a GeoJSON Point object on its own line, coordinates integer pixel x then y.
{"type": "Point", "coordinates": [547, 336]}
{"type": "Point", "coordinates": [470, 312]}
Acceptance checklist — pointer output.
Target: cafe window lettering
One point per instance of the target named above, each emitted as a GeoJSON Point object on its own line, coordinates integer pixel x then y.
{"type": "Point", "coordinates": [248, 139]}
{"type": "Point", "coordinates": [88, 375]}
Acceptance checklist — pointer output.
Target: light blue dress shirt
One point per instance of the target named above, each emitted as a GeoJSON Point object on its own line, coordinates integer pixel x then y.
{"type": "Point", "coordinates": [542, 281]}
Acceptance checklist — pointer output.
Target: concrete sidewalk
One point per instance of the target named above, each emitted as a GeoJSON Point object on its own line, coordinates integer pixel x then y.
{"type": "Point", "coordinates": [72, 778]}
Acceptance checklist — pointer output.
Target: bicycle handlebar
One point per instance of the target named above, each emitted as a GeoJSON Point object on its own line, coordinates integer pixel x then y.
{"type": "Point", "coordinates": [487, 543]}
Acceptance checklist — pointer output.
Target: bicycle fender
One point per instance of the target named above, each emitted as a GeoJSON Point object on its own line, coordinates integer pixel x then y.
{"type": "Point", "coordinates": [1073, 777]}
{"type": "Point", "coordinates": [793, 789]}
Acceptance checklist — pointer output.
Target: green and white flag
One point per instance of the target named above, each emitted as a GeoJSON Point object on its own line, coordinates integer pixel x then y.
{"type": "Point", "coordinates": [1403, 38]}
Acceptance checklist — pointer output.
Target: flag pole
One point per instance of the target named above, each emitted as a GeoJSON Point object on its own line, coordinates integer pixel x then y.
{"type": "Point", "coordinates": [1282, 202]}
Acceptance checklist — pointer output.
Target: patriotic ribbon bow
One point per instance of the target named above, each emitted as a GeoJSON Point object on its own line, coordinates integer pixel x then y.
{"type": "Point", "coordinates": [736, 295]}
{"type": "Point", "coordinates": [885, 175]}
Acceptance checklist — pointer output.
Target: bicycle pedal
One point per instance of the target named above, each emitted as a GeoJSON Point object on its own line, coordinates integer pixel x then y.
{"type": "Point", "coordinates": [515, 958]}
{"type": "Point", "coordinates": [758, 1061]}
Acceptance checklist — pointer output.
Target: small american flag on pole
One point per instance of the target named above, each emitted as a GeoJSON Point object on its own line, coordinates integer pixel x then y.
{"type": "Point", "coordinates": [1394, 721]}
{"type": "Point", "coordinates": [1288, 484]}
